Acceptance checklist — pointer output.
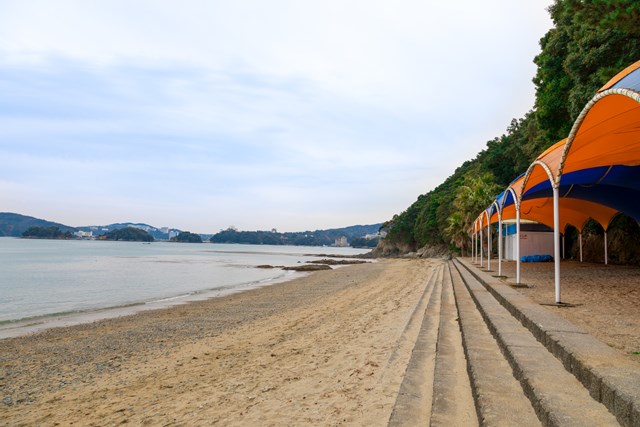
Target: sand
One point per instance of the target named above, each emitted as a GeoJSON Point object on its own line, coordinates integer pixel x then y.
{"type": "Point", "coordinates": [327, 349]}
{"type": "Point", "coordinates": [603, 299]}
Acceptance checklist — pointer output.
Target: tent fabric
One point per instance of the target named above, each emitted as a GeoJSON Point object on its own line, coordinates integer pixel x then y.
{"type": "Point", "coordinates": [609, 134]}
{"type": "Point", "coordinates": [574, 212]}
{"type": "Point", "coordinates": [596, 169]}
{"type": "Point", "coordinates": [551, 158]}
{"type": "Point", "coordinates": [616, 187]}
{"type": "Point", "coordinates": [624, 79]}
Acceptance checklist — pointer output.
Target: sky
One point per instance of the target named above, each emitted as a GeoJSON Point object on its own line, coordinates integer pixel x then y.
{"type": "Point", "coordinates": [294, 115]}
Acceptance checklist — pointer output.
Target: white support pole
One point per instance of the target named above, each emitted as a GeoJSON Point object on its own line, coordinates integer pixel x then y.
{"type": "Point", "coordinates": [517, 245]}
{"type": "Point", "coordinates": [505, 236]}
{"type": "Point", "coordinates": [472, 248]}
{"type": "Point", "coordinates": [488, 245]}
{"type": "Point", "coordinates": [606, 255]}
{"type": "Point", "coordinates": [556, 240]}
{"type": "Point", "coordinates": [481, 251]}
{"type": "Point", "coordinates": [475, 248]}
{"type": "Point", "coordinates": [580, 241]}
{"type": "Point", "coordinates": [499, 244]}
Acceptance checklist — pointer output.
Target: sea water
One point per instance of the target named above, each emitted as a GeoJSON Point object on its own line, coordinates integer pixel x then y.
{"type": "Point", "coordinates": [44, 278]}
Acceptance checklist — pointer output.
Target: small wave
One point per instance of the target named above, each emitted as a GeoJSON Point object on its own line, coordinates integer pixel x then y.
{"type": "Point", "coordinates": [173, 298]}
{"type": "Point", "coordinates": [42, 318]}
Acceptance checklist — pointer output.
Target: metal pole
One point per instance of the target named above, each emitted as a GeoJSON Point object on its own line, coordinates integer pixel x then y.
{"type": "Point", "coordinates": [488, 245]}
{"type": "Point", "coordinates": [473, 246]}
{"type": "Point", "coordinates": [506, 236]}
{"type": "Point", "coordinates": [499, 244]}
{"type": "Point", "coordinates": [517, 245]}
{"type": "Point", "coordinates": [481, 254]}
{"type": "Point", "coordinates": [580, 240]}
{"type": "Point", "coordinates": [606, 255]}
{"type": "Point", "coordinates": [556, 240]}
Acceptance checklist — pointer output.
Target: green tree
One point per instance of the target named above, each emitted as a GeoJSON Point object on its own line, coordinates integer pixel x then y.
{"type": "Point", "coordinates": [456, 230]}
{"type": "Point", "coordinates": [46, 233]}
{"type": "Point", "coordinates": [128, 234]}
{"type": "Point", "coordinates": [472, 198]}
{"type": "Point", "coordinates": [187, 237]}
{"type": "Point", "coordinates": [592, 41]}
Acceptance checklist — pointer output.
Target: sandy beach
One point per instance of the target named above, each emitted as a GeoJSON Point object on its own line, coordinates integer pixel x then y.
{"type": "Point", "coordinates": [330, 348]}
{"type": "Point", "coordinates": [327, 349]}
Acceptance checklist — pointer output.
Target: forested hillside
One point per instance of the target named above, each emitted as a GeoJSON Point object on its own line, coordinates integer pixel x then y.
{"type": "Point", "coordinates": [304, 238]}
{"type": "Point", "coordinates": [13, 224]}
{"type": "Point", "coordinates": [591, 42]}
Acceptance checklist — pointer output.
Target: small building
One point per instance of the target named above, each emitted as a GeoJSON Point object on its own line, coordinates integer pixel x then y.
{"type": "Point", "coordinates": [84, 234]}
{"type": "Point", "coordinates": [341, 242]}
{"type": "Point", "coordinates": [535, 239]}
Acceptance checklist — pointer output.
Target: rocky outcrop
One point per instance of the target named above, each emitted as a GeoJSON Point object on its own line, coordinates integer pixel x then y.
{"type": "Point", "coordinates": [337, 261]}
{"type": "Point", "coordinates": [308, 267]}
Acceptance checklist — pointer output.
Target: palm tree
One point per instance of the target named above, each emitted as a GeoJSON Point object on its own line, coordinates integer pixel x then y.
{"type": "Point", "coordinates": [456, 230]}
{"type": "Point", "coordinates": [473, 197]}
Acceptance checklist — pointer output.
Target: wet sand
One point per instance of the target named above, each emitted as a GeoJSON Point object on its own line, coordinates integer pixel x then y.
{"type": "Point", "coordinates": [327, 349]}
{"type": "Point", "coordinates": [602, 299]}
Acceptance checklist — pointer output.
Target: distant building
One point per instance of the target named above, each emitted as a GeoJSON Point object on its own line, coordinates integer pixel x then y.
{"type": "Point", "coordinates": [341, 242]}
{"type": "Point", "coordinates": [165, 230]}
{"type": "Point", "coordinates": [378, 235]}
{"type": "Point", "coordinates": [84, 234]}
{"type": "Point", "coordinates": [172, 234]}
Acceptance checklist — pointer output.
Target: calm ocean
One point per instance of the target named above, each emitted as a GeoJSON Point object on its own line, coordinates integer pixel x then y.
{"type": "Point", "coordinates": [40, 278]}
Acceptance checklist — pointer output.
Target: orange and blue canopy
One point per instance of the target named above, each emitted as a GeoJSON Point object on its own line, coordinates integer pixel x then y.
{"type": "Point", "coordinates": [596, 169]}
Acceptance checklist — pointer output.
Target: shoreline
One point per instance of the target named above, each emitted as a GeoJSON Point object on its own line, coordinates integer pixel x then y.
{"type": "Point", "coordinates": [312, 348]}
{"type": "Point", "coordinates": [33, 325]}
{"type": "Point", "coordinates": [58, 286]}
{"type": "Point", "coordinates": [329, 348]}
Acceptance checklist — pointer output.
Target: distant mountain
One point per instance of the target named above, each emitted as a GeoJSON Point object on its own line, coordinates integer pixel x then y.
{"type": "Point", "coordinates": [13, 224]}
{"type": "Point", "coordinates": [306, 238]}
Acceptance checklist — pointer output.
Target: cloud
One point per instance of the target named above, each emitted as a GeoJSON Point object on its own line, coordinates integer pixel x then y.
{"type": "Point", "coordinates": [283, 114]}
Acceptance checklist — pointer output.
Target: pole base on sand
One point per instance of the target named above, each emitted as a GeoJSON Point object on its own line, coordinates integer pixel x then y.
{"type": "Point", "coordinates": [561, 305]}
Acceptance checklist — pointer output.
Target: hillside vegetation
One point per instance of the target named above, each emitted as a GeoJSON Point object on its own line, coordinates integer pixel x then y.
{"type": "Point", "coordinates": [302, 238]}
{"type": "Point", "coordinates": [14, 225]}
{"type": "Point", "coordinates": [128, 234]}
{"type": "Point", "coordinates": [591, 42]}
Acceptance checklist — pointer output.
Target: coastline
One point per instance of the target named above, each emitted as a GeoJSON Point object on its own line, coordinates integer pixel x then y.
{"type": "Point", "coordinates": [32, 325]}
{"type": "Point", "coordinates": [43, 280]}
{"type": "Point", "coordinates": [328, 348]}
{"type": "Point", "coordinates": [324, 348]}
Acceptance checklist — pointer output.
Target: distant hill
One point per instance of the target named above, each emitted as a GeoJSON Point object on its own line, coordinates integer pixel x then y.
{"type": "Point", "coordinates": [157, 233]}
{"type": "Point", "coordinates": [306, 238]}
{"type": "Point", "coordinates": [128, 234]}
{"type": "Point", "coordinates": [13, 224]}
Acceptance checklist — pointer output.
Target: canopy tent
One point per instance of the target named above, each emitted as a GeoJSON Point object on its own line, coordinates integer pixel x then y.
{"type": "Point", "coordinates": [594, 173]}
{"type": "Point", "coordinates": [573, 212]}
